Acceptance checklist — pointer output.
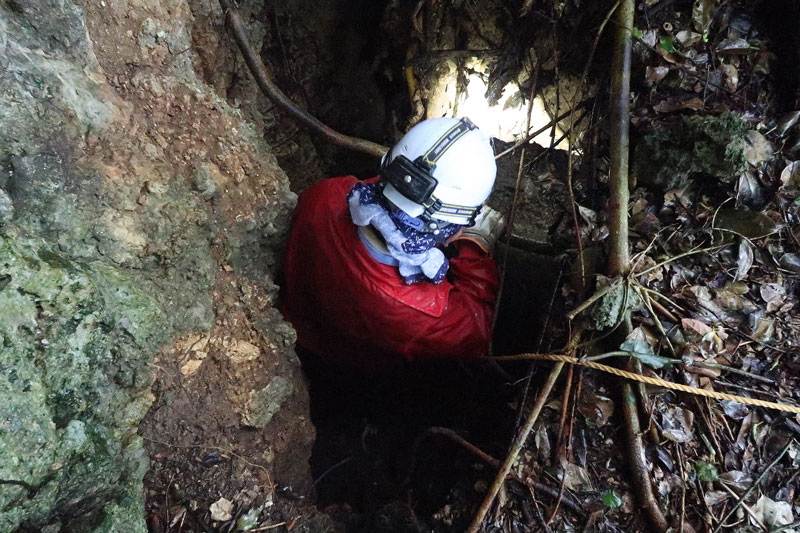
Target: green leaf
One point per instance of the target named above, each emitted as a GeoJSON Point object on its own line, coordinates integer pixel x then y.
{"type": "Point", "coordinates": [706, 471]}
{"type": "Point", "coordinates": [667, 44]}
{"type": "Point", "coordinates": [611, 499]}
{"type": "Point", "coordinates": [644, 353]}
{"type": "Point", "coordinates": [638, 33]}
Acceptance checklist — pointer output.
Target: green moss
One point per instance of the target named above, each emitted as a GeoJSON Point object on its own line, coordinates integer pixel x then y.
{"type": "Point", "coordinates": [60, 397]}
{"type": "Point", "coordinates": [678, 148]}
{"type": "Point", "coordinates": [265, 403]}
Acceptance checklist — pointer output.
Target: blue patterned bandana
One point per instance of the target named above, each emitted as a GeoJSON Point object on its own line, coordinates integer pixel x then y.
{"type": "Point", "coordinates": [415, 251]}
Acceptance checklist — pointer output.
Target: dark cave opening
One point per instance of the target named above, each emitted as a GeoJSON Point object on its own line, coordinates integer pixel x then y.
{"type": "Point", "coordinates": [375, 465]}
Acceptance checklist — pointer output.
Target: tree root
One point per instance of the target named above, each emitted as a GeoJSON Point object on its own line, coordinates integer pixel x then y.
{"type": "Point", "coordinates": [271, 91]}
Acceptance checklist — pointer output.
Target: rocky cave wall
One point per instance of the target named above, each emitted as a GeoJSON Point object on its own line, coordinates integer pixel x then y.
{"type": "Point", "coordinates": [140, 214]}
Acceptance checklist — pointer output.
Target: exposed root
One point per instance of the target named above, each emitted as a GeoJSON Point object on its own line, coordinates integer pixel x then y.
{"type": "Point", "coordinates": [271, 91]}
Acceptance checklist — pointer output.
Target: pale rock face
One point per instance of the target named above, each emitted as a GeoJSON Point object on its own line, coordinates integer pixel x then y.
{"type": "Point", "coordinates": [125, 193]}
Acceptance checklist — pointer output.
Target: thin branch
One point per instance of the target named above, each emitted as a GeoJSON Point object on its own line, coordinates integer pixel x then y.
{"type": "Point", "coordinates": [569, 502]}
{"type": "Point", "coordinates": [593, 298]}
{"type": "Point", "coordinates": [750, 489]}
{"type": "Point", "coordinates": [572, 202]}
{"type": "Point", "coordinates": [619, 194]}
{"type": "Point", "coordinates": [264, 80]}
{"type": "Point", "coordinates": [544, 393]}
{"type": "Point", "coordinates": [619, 252]}
{"type": "Point", "coordinates": [544, 128]}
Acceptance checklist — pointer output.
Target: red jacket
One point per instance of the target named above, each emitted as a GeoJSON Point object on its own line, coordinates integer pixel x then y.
{"type": "Point", "coordinates": [346, 305]}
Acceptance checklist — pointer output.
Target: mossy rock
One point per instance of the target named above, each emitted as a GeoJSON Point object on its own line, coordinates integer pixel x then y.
{"type": "Point", "coordinates": [75, 343]}
{"type": "Point", "coordinates": [677, 148]}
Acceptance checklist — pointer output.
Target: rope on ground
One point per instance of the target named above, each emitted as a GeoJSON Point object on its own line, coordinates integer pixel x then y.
{"type": "Point", "coordinates": [651, 380]}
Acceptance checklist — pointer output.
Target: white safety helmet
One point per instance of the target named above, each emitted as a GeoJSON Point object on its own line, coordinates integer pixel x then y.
{"type": "Point", "coordinates": [442, 169]}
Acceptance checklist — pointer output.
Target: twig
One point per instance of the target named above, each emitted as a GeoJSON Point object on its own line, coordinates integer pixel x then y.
{"type": "Point", "coordinates": [557, 106]}
{"type": "Point", "coordinates": [571, 190]}
{"type": "Point", "coordinates": [560, 455]}
{"type": "Point", "coordinates": [539, 514]}
{"type": "Point", "coordinates": [570, 503]}
{"type": "Point", "coordinates": [746, 493]}
{"type": "Point", "coordinates": [495, 463]}
{"type": "Point", "coordinates": [452, 435]}
{"type": "Point", "coordinates": [747, 508]}
{"type": "Point", "coordinates": [786, 527]}
{"type": "Point", "coordinates": [532, 364]}
{"type": "Point", "coordinates": [667, 299]}
{"type": "Point", "coordinates": [273, 526]}
{"type": "Point", "coordinates": [683, 487]}
{"type": "Point", "coordinates": [271, 91]}
{"type": "Point", "coordinates": [561, 448]}
{"type": "Point", "coordinates": [544, 393]}
{"type": "Point", "coordinates": [649, 304]}
{"type": "Point", "coordinates": [593, 298]}
{"type": "Point", "coordinates": [543, 129]}
{"type": "Point", "coordinates": [526, 8]}
{"type": "Point", "coordinates": [658, 306]}
{"type": "Point", "coordinates": [693, 251]}
{"type": "Point", "coordinates": [331, 469]}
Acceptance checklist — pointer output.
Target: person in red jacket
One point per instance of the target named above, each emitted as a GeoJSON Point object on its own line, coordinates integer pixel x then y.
{"type": "Point", "coordinates": [397, 268]}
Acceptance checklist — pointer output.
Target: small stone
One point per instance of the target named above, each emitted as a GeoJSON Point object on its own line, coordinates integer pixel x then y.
{"type": "Point", "coordinates": [265, 403]}
{"type": "Point", "coordinates": [6, 208]}
{"type": "Point", "coordinates": [204, 181]}
{"type": "Point", "coordinates": [221, 510]}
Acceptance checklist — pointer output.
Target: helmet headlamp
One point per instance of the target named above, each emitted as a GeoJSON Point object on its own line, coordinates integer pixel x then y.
{"type": "Point", "coordinates": [411, 179]}
{"type": "Point", "coordinates": [414, 179]}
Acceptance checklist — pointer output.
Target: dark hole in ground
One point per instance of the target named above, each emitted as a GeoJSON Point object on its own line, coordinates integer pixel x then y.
{"type": "Point", "coordinates": [366, 430]}
{"type": "Point", "coordinates": [376, 467]}
{"type": "Point", "coordinates": [371, 429]}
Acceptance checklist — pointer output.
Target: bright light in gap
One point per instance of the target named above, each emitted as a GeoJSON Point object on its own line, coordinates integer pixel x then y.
{"type": "Point", "coordinates": [504, 123]}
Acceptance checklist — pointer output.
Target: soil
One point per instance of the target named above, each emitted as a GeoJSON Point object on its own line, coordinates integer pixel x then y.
{"type": "Point", "coordinates": [230, 415]}
{"type": "Point", "coordinates": [199, 445]}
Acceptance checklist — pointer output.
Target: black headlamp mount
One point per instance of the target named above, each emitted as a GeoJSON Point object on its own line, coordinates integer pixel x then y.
{"type": "Point", "coordinates": [412, 179]}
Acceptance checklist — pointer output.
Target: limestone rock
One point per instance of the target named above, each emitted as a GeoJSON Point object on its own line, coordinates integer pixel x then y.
{"type": "Point", "coordinates": [110, 244]}
{"type": "Point", "coordinates": [76, 342]}
{"type": "Point", "coordinates": [6, 208]}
